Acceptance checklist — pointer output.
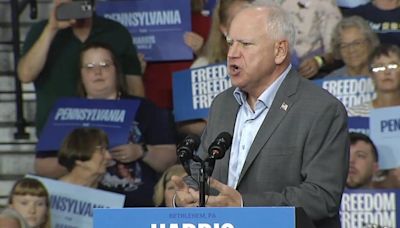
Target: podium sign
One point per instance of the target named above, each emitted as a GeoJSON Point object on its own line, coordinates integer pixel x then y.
{"type": "Point", "coordinates": [200, 217]}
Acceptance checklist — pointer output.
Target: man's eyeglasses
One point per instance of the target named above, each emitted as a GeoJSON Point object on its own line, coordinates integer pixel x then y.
{"type": "Point", "coordinates": [381, 68]}
{"type": "Point", "coordinates": [103, 65]}
{"type": "Point", "coordinates": [355, 44]}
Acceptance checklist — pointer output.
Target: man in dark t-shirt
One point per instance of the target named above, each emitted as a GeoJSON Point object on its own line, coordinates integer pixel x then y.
{"type": "Point", "coordinates": [383, 18]}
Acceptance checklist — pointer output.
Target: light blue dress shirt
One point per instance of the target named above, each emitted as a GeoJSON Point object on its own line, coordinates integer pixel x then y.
{"type": "Point", "coordinates": [247, 124]}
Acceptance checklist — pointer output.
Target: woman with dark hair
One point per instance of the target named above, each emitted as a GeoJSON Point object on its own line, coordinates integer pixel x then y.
{"type": "Point", "coordinates": [150, 148]}
{"type": "Point", "coordinates": [84, 153]}
{"type": "Point", "coordinates": [384, 67]}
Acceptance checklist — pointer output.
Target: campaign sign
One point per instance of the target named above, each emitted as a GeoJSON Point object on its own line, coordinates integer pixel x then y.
{"type": "Point", "coordinates": [157, 26]}
{"type": "Point", "coordinates": [385, 132]}
{"type": "Point", "coordinates": [115, 117]}
{"type": "Point", "coordinates": [194, 89]}
{"type": "Point", "coordinates": [350, 91]}
{"type": "Point", "coordinates": [209, 5]}
{"type": "Point", "coordinates": [72, 205]}
{"type": "Point", "coordinates": [200, 217]}
{"type": "Point", "coordinates": [359, 124]}
{"type": "Point", "coordinates": [369, 208]}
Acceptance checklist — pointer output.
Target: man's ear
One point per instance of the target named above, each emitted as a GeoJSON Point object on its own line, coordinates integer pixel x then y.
{"type": "Point", "coordinates": [281, 51]}
{"type": "Point", "coordinates": [223, 29]}
{"type": "Point", "coordinates": [375, 167]}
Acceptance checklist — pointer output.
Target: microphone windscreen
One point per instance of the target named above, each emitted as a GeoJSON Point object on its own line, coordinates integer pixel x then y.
{"type": "Point", "coordinates": [220, 145]}
{"type": "Point", "coordinates": [186, 148]}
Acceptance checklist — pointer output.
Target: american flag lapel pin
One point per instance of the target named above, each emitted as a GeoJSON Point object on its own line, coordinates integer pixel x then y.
{"type": "Point", "coordinates": [284, 106]}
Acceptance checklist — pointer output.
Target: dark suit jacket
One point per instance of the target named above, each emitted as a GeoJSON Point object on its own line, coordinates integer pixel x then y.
{"type": "Point", "coordinates": [299, 156]}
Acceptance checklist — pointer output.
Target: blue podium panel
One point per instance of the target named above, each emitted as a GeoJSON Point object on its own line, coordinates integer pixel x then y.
{"type": "Point", "coordinates": [254, 217]}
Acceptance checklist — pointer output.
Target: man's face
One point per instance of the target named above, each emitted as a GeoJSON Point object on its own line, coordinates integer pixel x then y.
{"type": "Point", "coordinates": [362, 165]}
{"type": "Point", "coordinates": [251, 54]}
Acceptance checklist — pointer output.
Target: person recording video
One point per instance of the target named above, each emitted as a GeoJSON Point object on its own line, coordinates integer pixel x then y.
{"type": "Point", "coordinates": [290, 143]}
{"type": "Point", "coordinates": [50, 56]}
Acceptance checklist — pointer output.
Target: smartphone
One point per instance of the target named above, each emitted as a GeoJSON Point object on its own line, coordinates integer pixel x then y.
{"type": "Point", "coordinates": [74, 10]}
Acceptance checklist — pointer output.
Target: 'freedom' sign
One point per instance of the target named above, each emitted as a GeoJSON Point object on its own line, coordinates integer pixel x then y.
{"type": "Point", "coordinates": [195, 89]}
{"type": "Point", "coordinates": [350, 91]}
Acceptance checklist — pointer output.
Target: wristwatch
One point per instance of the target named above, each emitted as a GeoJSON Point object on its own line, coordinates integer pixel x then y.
{"type": "Point", "coordinates": [145, 150]}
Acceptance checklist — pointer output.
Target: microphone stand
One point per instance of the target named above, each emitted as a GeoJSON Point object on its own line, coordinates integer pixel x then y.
{"type": "Point", "coordinates": [203, 177]}
{"type": "Point", "coordinates": [202, 188]}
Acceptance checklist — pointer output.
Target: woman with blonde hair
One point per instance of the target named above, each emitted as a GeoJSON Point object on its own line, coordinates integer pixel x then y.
{"type": "Point", "coordinates": [164, 189]}
{"type": "Point", "coordinates": [28, 206]}
{"type": "Point", "coordinates": [215, 49]}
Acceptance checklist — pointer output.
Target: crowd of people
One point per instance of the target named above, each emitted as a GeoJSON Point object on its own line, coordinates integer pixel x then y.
{"type": "Point", "coordinates": [290, 144]}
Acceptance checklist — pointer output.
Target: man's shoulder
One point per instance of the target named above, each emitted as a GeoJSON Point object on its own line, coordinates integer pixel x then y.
{"type": "Point", "coordinates": [144, 102]}
{"type": "Point", "coordinates": [39, 26]}
{"type": "Point", "coordinates": [226, 94]}
{"type": "Point", "coordinates": [108, 23]}
{"type": "Point", "coordinates": [308, 90]}
{"type": "Point", "coordinates": [362, 10]}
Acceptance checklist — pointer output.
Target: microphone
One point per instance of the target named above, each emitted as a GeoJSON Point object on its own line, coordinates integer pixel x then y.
{"type": "Point", "coordinates": [185, 151]}
{"type": "Point", "coordinates": [217, 150]}
{"type": "Point", "coordinates": [220, 145]}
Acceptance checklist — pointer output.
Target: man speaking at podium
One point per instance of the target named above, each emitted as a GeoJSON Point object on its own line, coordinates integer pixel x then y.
{"type": "Point", "coordinates": [290, 138]}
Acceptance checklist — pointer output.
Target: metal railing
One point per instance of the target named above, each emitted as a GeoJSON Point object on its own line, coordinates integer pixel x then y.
{"type": "Point", "coordinates": [17, 7]}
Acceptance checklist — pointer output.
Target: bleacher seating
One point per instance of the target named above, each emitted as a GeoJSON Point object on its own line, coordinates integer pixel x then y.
{"type": "Point", "coordinates": [16, 155]}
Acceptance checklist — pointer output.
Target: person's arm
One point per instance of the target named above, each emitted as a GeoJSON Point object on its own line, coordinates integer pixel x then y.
{"type": "Point", "coordinates": [32, 63]}
{"type": "Point", "coordinates": [329, 15]}
{"type": "Point", "coordinates": [194, 41]}
{"type": "Point", "coordinates": [6, 222]}
{"type": "Point", "coordinates": [135, 85]}
{"type": "Point", "coordinates": [160, 157]}
{"type": "Point", "coordinates": [49, 167]}
{"type": "Point", "coordinates": [310, 67]}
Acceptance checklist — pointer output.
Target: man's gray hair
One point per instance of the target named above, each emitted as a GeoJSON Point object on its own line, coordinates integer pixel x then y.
{"type": "Point", "coordinates": [279, 21]}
